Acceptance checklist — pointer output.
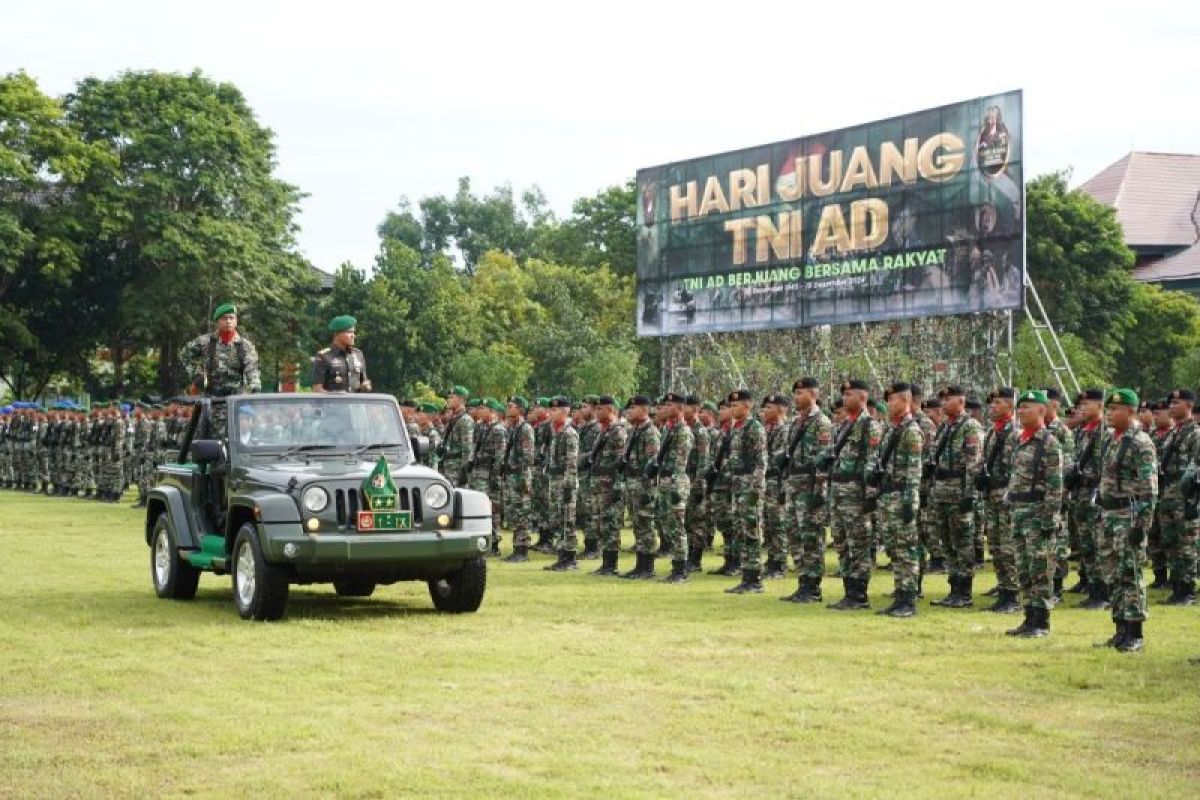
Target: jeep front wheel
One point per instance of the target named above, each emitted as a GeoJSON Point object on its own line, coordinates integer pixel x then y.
{"type": "Point", "coordinates": [460, 591]}
{"type": "Point", "coordinates": [174, 578]}
{"type": "Point", "coordinates": [260, 590]}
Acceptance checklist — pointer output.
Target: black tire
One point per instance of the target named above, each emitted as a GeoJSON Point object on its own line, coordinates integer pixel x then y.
{"type": "Point", "coordinates": [353, 588]}
{"type": "Point", "coordinates": [460, 591]}
{"type": "Point", "coordinates": [264, 596]}
{"type": "Point", "coordinates": [173, 578]}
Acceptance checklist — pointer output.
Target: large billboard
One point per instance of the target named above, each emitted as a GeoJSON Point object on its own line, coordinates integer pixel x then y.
{"type": "Point", "coordinates": [919, 215]}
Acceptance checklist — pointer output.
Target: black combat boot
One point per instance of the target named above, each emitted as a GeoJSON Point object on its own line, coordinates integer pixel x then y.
{"type": "Point", "coordinates": [1081, 585]}
{"type": "Point", "coordinates": [1039, 624]}
{"type": "Point", "coordinates": [1161, 580]}
{"type": "Point", "coordinates": [1025, 625]}
{"type": "Point", "coordinates": [639, 569]}
{"type": "Point", "coordinates": [735, 567]}
{"type": "Point", "coordinates": [979, 560]}
{"type": "Point", "coordinates": [1132, 641]}
{"type": "Point", "coordinates": [902, 607]}
{"type": "Point", "coordinates": [774, 570]}
{"type": "Point", "coordinates": [1097, 597]}
{"type": "Point", "coordinates": [591, 549]}
{"type": "Point", "coordinates": [1006, 603]}
{"type": "Point", "coordinates": [794, 597]}
{"type": "Point", "coordinates": [679, 572]}
{"type": "Point", "coordinates": [696, 560]}
{"type": "Point", "coordinates": [950, 600]}
{"type": "Point", "coordinates": [965, 600]}
{"type": "Point", "coordinates": [520, 555]}
{"type": "Point", "coordinates": [1183, 595]}
{"type": "Point", "coordinates": [1117, 637]}
{"type": "Point", "coordinates": [566, 562]}
{"type": "Point", "coordinates": [751, 583]}
{"type": "Point", "coordinates": [813, 593]}
{"type": "Point", "coordinates": [1058, 586]}
{"type": "Point", "coordinates": [608, 564]}
{"type": "Point", "coordinates": [649, 573]}
{"type": "Point", "coordinates": [557, 563]}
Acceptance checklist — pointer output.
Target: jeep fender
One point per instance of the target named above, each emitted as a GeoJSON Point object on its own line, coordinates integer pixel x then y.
{"type": "Point", "coordinates": [170, 500]}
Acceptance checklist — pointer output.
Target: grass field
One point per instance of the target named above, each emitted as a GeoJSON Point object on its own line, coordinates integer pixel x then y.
{"type": "Point", "coordinates": [561, 685]}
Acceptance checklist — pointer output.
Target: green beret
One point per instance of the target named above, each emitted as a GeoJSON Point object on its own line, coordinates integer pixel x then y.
{"type": "Point", "coordinates": [223, 309]}
{"type": "Point", "coordinates": [709, 405]}
{"type": "Point", "coordinates": [474, 402]}
{"type": "Point", "coordinates": [342, 323]}
{"type": "Point", "coordinates": [1032, 396]}
{"type": "Point", "coordinates": [1123, 397]}
{"type": "Point", "coordinates": [543, 402]}
{"type": "Point", "coordinates": [519, 401]}
{"type": "Point", "coordinates": [428, 408]}
{"type": "Point", "coordinates": [879, 406]}
{"type": "Point", "coordinates": [461, 391]}
{"type": "Point", "coordinates": [494, 405]}
{"type": "Point", "coordinates": [591, 399]}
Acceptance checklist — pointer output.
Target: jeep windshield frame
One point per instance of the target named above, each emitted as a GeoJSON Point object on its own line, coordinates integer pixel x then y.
{"type": "Point", "coordinates": [318, 425]}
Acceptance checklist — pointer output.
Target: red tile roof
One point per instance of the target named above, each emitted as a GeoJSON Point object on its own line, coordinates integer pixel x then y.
{"type": "Point", "coordinates": [1183, 265]}
{"type": "Point", "coordinates": [1156, 197]}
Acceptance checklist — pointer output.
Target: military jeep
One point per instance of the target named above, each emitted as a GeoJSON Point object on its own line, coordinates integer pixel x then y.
{"type": "Point", "coordinates": [284, 489]}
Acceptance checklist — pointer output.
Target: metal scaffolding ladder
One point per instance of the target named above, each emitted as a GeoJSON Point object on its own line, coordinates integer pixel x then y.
{"type": "Point", "coordinates": [1052, 349]}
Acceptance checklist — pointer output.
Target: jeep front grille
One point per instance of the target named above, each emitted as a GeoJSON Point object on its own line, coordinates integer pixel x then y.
{"type": "Point", "coordinates": [346, 504]}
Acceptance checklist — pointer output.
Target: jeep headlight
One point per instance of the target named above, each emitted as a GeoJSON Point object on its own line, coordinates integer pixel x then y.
{"type": "Point", "coordinates": [436, 495]}
{"type": "Point", "coordinates": [315, 499]}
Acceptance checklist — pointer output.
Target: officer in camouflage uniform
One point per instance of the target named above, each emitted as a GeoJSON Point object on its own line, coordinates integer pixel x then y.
{"type": "Point", "coordinates": [518, 477]}
{"type": "Point", "coordinates": [896, 482]}
{"type": "Point", "coordinates": [1179, 453]}
{"type": "Point", "coordinates": [588, 429]}
{"type": "Point", "coordinates": [562, 466]}
{"type": "Point", "coordinates": [1082, 483]}
{"type": "Point", "coordinates": [458, 444]}
{"type": "Point", "coordinates": [542, 435]}
{"type": "Point", "coordinates": [641, 449]}
{"type": "Point", "coordinates": [998, 447]}
{"type": "Point", "coordinates": [426, 412]}
{"type": "Point", "coordinates": [1159, 431]}
{"type": "Point", "coordinates": [929, 432]}
{"type": "Point", "coordinates": [5, 455]}
{"type": "Point", "coordinates": [956, 462]}
{"type": "Point", "coordinates": [222, 363]}
{"type": "Point", "coordinates": [748, 472]}
{"type": "Point", "coordinates": [852, 452]}
{"type": "Point", "coordinates": [484, 470]}
{"type": "Point", "coordinates": [1034, 497]}
{"type": "Point", "coordinates": [695, 517]}
{"type": "Point", "coordinates": [605, 473]}
{"type": "Point", "coordinates": [668, 472]}
{"type": "Point", "coordinates": [777, 522]}
{"type": "Point", "coordinates": [719, 479]}
{"type": "Point", "coordinates": [1128, 494]}
{"type": "Point", "coordinates": [809, 440]}
{"type": "Point", "coordinates": [1066, 440]}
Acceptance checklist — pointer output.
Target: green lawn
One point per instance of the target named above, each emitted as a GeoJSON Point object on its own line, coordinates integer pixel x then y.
{"type": "Point", "coordinates": [561, 685]}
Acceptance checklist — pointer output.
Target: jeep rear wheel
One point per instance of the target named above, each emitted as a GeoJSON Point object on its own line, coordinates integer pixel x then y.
{"type": "Point", "coordinates": [353, 588]}
{"type": "Point", "coordinates": [174, 578]}
{"type": "Point", "coordinates": [460, 591]}
{"type": "Point", "coordinates": [260, 590]}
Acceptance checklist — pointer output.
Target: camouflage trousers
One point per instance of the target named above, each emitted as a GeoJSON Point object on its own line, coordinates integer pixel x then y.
{"type": "Point", "coordinates": [778, 524]}
{"type": "Point", "coordinates": [145, 476]}
{"type": "Point", "coordinates": [902, 540]}
{"type": "Point", "coordinates": [696, 519]}
{"type": "Point", "coordinates": [1178, 536]}
{"type": "Point", "coordinates": [931, 542]}
{"type": "Point", "coordinates": [720, 506]}
{"type": "Point", "coordinates": [608, 511]}
{"type": "Point", "coordinates": [671, 499]}
{"type": "Point", "coordinates": [1033, 533]}
{"type": "Point", "coordinates": [481, 481]}
{"type": "Point", "coordinates": [1122, 564]}
{"type": "Point", "coordinates": [517, 498]}
{"type": "Point", "coordinates": [1062, 544]}
{"type": "Point", "coordinates": [563, 492]}
{"type": "Point", "coordinates": [853, 537]}
{"type": "Point", "coordinates": [808, 528]}
{"type": "Point", "coordinates": [454, 470]}
{"type": "Point", "coordinates": [1088, 530]}
{"type": "Point", "coordinates": [1154, 545]}
{"type": "Point", "coordinates": [981, 533]}
{"type": "Point", "coordinates": [746, 519]}
{"type": "Point", "coordinates": [540, 502]}
{"type": "Point", "coordinates": [1002, 544]}
{"type": "Point", "coordinates": [956, 530]}
{"type": "Point", "coordinates": [641, 496]}
{"type": "Point", "coordinates": [583, 506]}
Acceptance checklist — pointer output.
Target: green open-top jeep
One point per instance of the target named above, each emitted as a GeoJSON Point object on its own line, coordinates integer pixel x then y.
{"type": "Point", "coordinates": [311, 488]}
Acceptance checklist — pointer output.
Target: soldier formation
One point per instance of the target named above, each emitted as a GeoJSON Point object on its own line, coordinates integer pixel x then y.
{"type": "Point", "coordinates": [934, 483]}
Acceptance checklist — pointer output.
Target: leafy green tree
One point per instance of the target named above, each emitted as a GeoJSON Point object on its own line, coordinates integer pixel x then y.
{"type": "Point", "coordinates": [499, 370]}
{"type": "Point", "coordinates": [612, 369]}
{"type": "Point", "coordinates": [1165, 334]}
{"type": "Point", "coordinates": [600, 231]}
{"type": "Point", "coordinates": [1030, 367]}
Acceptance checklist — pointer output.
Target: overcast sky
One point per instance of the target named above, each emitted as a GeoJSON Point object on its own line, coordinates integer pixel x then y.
{"type": "Point", "coordinates": [372, 101]}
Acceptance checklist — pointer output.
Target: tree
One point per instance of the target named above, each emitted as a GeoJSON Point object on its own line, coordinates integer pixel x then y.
{"type": "Point", "coordinates": [1156, 348]}
{"type": "Point", "coordinates": [1080, 264]}
{"type": "Point", "coordinates": [498, 371]}
{"type": "Point", "coordinates": [601, 231]}
{"type": "Point", "coordinates": [1030, 367]}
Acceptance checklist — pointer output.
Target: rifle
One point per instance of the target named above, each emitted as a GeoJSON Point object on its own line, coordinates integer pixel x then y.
{"type": "Point", "coordinates": [714, 471]}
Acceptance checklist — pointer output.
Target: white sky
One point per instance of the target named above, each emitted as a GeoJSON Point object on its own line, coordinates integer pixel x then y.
{"type": "Point", "coordinates": [371, 101]}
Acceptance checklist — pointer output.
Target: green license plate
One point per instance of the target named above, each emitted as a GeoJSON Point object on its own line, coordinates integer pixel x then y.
{"type": "Point", "coordinates": [370, 521]}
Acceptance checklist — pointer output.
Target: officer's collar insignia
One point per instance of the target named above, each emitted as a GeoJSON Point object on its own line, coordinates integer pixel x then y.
{"type": "Point", "coordinates": [379, 493]}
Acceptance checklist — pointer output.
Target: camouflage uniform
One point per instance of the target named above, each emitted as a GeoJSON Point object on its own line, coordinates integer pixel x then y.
{"type": "Point", "coordinates": [672, 487]}
{"type": "Point", "coordinates": [608, 508]}
{"type": "Point", "coordinates": [458, 446]}
{"type": "Point", "coordinates": [1086, 514]}
{"type": "Point", "coordinates": [1177, 533]}
{"type": "Point", "coordinates": [853, 451]}
{"type": "Point", "coordinates": [588, 432]}
{"type": "Point", "coordinates": [899, 497]}
{"type": "Point", "coordinates": [930, 541]}
{"type": "Point", "coordinates": [720, 503]}
{"type": "Point", "coordinates": [485, 469]}
{"type": "Point", "coordinates": [540, 501]}
{"type": "Point", "coordinates": [641, 449]}
{"type": "Point", "coordinates": [696, 517]}
{"type": "Point", "coordinates": [809, 441]}
{"type": "Point", "coordinates": [518, 480]}
{"type": "Point", "coordinates": [220, 369]}
{"type": "Point", "coordinates": [997, 456]}
{"type": "Point", "coordinates": [1035, 492]}
{"type": "Point", "coordinates": [957, 460]}
{"type": "Point", "coordinates": [748, 469]}
{"type": "Point", "coordinates": [1128, 493]}
{"type": "Point", "coordinates": [562, 470]}
{"type": "Point", "coordinates": [778, 525]}
{"type": "Point", "coordinates": [1062, 544]}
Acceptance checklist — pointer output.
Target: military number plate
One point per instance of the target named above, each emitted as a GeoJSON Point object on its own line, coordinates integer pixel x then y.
{"type": "Point", "coordinates": [369, 521]}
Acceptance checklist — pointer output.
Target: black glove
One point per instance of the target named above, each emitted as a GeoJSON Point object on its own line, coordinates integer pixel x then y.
{"type": "Point", "coordinates": [966, 505]}
{"type": "Point", "coordinates": [651, 470]}
{"type": "Point", "coordinates": [869, 505]}
{"type": "Point", "coordinates": [982, 482]}
{"type": "Point", "coordinates": [711, 474]}
{"type": "Point", "coordinates": [907, 514]}
{"type": "Point", "coordinates": [1136, 535]}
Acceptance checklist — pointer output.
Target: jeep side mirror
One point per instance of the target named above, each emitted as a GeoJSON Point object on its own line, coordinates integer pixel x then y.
{"type": "Point", "coordinates": [206, 451]}
{"type": "Point", "coordinates": [420, 446]}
